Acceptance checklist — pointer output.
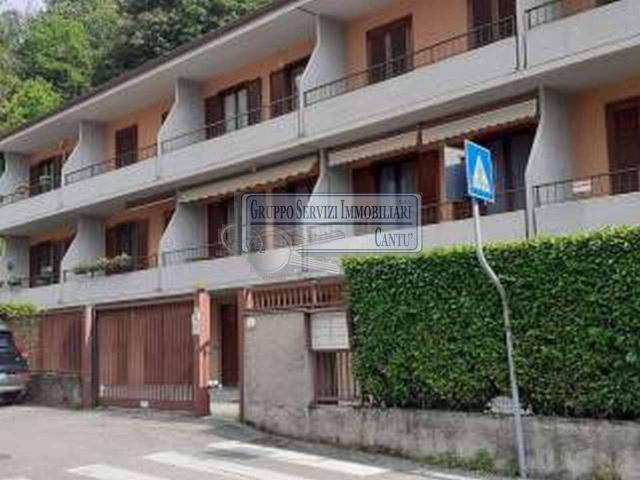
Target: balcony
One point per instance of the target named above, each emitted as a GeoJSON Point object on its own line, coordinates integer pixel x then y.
{"type": "Point", "coordinates": [405, 84]}
{"type": "Point", "coordinates": [611, 198]}
{"type": "Point", "coordinates": [120, 161]}
{"type": "Point", "coordinates": [560, 29]}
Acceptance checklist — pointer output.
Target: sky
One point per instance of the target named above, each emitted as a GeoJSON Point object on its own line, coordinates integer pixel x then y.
{"type": "Point", "coordinates": [22, 5]}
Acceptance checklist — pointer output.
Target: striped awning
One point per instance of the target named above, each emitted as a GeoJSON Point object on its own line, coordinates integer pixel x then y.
{"type": "Point", "coordinates": [386, 146]}
{"type": "Point", "coordinates": [495, 118]}
{"type": "Point", "coordinates": [248, 181]}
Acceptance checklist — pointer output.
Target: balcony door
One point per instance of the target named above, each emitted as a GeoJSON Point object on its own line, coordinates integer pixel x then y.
{"type": "Point", "coordinates": [623, 131]}
{"type": "Point", "coordinates": [44, 262]}
{"type": "Point", "coordinates": [46, 175]}
{"type": "Point", "coordinates": [132, 239]}
{"type": "Point", "coordinates": [285, 88]}
{"type": "Point", "coordinates": [389, 50]}
{"type": "Point", "coordinates": [234, 108]}
{"type": "Point", "coordinates": [490, 20]}
{"type": "Point", "coordinates": [126, 146]}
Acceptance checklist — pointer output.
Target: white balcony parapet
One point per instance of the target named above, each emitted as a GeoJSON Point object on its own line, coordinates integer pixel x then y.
{"type": "Point", "coordinates": [87, 245]}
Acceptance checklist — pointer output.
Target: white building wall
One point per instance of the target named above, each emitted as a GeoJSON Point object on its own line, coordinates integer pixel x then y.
{"type": "Point", "coordinates": [16, 173]}
{"type": "Point", "coordinates": [186, 115]}
{"type": "Point", "coordinates": [90, 150]}
{"type": "Point", "coordinates": [15, 261]}
{"type": "Point", "coordinates": [87, 245]}
{"type": "Point", "coordinates": [187, 229]}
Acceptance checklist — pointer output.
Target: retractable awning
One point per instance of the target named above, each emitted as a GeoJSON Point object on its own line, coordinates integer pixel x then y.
{"type": "Point", "coordinates": [386, 146]}
{"type": "Point", "coordinates": [247, 181]}
{"type": "Point", "coordinates": [527, 110]}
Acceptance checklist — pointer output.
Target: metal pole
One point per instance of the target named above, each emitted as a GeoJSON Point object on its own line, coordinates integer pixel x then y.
{"type": "Point", "coordinates": [515, 396]}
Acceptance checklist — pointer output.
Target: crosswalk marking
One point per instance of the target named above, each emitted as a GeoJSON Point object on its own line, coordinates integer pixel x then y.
{"type": "Point", "coordinates": [235, 470]}
{"type": "Point", "coordinates": [298, 458]}
{"type": "Point", "coordinates": [106, 472]}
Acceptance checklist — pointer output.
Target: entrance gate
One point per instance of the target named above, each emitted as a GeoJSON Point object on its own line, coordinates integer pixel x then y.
{"type": "Point", "coordinates": [145, 356]}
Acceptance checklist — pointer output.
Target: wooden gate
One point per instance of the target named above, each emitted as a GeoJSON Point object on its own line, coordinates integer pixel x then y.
{"type": "Point", "coordinates": [145, 356]}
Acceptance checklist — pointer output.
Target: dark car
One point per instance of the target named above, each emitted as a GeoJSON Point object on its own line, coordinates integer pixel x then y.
{"type": "Point", "coordinates": [14, 370]}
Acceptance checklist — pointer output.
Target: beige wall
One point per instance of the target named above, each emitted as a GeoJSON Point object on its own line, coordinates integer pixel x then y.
{"type": "Point", "coordinates": [154, 213]}
{"type": "Point", "coordinates": [56, 235]}
{"type": "Point", "coordinates": [148, 119]}
{"type": "Point", "coordinates": [589, 132]}
{"type": "Point", "coordinates": [63, 148]}
{"type": "Point", "coordinates": [262, 69]}
{"type": "Point", "coordinates": [432, 22]}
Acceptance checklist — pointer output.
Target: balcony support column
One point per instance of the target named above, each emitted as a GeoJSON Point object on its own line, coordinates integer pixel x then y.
{"type": "Point", "coordinates": [186, 230]}
{"type": "Point", "coordinates": [91, 150]}
{"type": "Point", "coordinates": [201, 324]}
{"type": "Point", "coordinates": [87, 372]}
{"type": "Point", "coordinates": [16, 173]}
{"type": "Point", "coordinates": [185, 117]}
{"type": "Point", "coordinates": [14, 264]}
{"type": "Point", "coordinates": [88, 244]}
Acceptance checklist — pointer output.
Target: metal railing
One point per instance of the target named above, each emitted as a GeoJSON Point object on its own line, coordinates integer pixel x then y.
{"type": "Point", "coordinates": [556, 9]}
{"type": "Point", "coordinates": [506, 201]}
{"type": "Point", "coordinates": [334, 379]}
{"type": "Point", "coordinates": [478, 37]}
{"type": "Point", "coordinates": [231, 124]}
{"type": "Point", "coordinates": [133, 264]}
{"type": "Point", "coordinates": [15, 282]}
{"type": "Point", "coordinates": [603, 184]}
{"type": "Point", "coordinates": [119, 161]}
{"type": "Point", "coordinates": [195, 254]}
{"type": "Point", "coordinates": [27, 191]}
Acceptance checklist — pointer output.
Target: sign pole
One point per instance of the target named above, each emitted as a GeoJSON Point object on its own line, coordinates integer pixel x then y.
{"type": "Point", "coordinates": [515, 396]}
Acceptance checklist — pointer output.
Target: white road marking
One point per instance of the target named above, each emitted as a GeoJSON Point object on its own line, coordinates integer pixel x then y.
{"type": "Point", "coordinates": [15, 478]}
{"type": "Point", "coordinates": [444, 476]}
{"type": "Point", "coordinates": [298, 458]}
{"type": "Point", "coordinates": [106, 472]}
{"type": "Point", "coordinates": [235, 470]}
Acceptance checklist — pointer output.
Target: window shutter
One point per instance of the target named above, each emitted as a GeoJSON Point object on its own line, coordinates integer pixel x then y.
{"type": "Point", "coordinates": [377, 57]}
{"type": "Point", "coordinates": [57, 171]}
{"type": "Point", "coordinates": [142, 244]}
{"type": "Point", "coordinates": [213, 115]}
{"type": "Point", "coordinates": [399, 39]}
{"type": "Point", "coordinates": [254, 94]}
{"type": "Point", "coordinates": [111, 242]}
{"type": "Point", "coordinates": [278, 93]}
{"type": "Point", "coordinates": [126, 146]}
{"type": "Point", "coordinates": [363, 180]}
{"type": "Point", "coordinates": [215, 222]}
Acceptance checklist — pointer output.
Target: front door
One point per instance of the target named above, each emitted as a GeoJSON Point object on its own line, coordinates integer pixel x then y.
{"type": "Point", "coordinates": [230, 369]}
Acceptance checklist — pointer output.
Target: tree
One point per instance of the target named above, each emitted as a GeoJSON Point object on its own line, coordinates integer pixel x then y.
{"type": "Point", "coordinates": [31, 99]}
{"type": "Point", "coordinates": [57, 49]}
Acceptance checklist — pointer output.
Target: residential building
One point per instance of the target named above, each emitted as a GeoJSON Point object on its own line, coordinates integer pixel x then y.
{"type": "Point", "coordinates": [304, 96]}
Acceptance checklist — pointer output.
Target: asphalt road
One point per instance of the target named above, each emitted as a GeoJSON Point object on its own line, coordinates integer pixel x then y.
{"type": "Point", "coordinates": [49, 444]}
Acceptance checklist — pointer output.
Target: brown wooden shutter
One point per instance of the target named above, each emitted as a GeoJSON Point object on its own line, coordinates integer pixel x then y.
{"type": "Point", "coordinates": [278, 93]}
{"type": "Point", "coordinates": [254, 101]}
{"type": "Point", "coordinates": [363, 180]}
{"type": "Point", "coordinates": [111, 242]}
{"type": "Point", "coordinates": [428, 170]}
{"type": "Point", "coordinates": [34, 174]}
{"type": "Point", "coordinates": [142, 244]}
{"type": "Point", "coordinates": [623, 126]}
{"type": "Point", "coordinates": [214, 115]}
{"type": "Point", "coordinates": [215, 222]}
{"type": "Point", "coordinates": [376, 56]}
{"type": "Point", "coordinates": [400, 40]}
{"type": "Point", "coordinates": [126, 146]}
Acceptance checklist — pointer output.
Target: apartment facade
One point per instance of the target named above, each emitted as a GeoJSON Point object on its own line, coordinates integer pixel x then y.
{"type": "Point", "coordinates": [121, 213]}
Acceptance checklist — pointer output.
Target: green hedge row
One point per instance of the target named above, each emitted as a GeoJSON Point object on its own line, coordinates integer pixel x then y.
{"type": "Point", "coordinates": [428, 329]}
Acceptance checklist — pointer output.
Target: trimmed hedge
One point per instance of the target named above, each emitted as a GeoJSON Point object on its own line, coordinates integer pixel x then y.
{"type": "Point", "coordinates": [428, 329]}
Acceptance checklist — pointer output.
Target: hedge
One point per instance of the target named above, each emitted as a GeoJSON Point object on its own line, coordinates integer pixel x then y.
{"type": "Point", "coordinates": [428, 329]}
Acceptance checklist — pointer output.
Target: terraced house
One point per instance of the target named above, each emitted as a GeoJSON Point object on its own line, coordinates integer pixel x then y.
{"type": "Point", "coordinates": [311, 96]}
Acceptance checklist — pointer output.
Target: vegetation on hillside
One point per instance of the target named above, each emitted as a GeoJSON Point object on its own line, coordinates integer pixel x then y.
{"type": "Point", "coordinates": [72, 46]}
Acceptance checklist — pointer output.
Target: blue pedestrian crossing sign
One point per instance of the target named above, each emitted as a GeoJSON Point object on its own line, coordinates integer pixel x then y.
{"type": "Point", "coordinates": [481, 184]}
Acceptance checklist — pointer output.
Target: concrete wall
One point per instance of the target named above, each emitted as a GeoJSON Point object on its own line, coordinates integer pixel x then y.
{"type": "Point", "coordinates": [328, 61]}
{"type": "Point", "coordinates": [90, 150]}
{"type": "Point", "coordinates": [16, 173]}
{"type": "Point", "coordinates": [88, 243]}
{"type": "Point", "coordinates": [56, 390]}
{"type": "Point", "coordinates": [186, 114]}
{"type": "Point", "coordinates": [15, 262]}
{"type": "Point", "coordinates": [551, 155]}
{"type": "Point", "coordinates": [187, 229]}
{"type": "Point", "coordinates": [278, 387]}
{"type": "Point", "coordinates": [556, 447]}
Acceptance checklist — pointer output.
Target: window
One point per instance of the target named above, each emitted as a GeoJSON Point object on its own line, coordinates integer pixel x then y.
{"type": "Point", "coordinates": [492, 20]}
{"type": "Point", "coordinates": [44, 262]}
{"type": "Point", "coordinates": [131, 239]}
{"type": "Point", "coordinates": [388, 50]}
{"type": "Point", "coordinates": [397, 177]}
{"type": "Point", "coordinates": [46, 175]}
{"type": "Point", "coordinates": [233, 109]}
{"type": "Point", "coordinates": [126, 146]}
{"type": "Point", "coordinates": [285, 88]}
{"type": "Point", "coordinates": [623, 131]}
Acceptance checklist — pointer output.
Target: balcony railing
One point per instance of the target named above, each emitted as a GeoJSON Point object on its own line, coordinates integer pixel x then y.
{"type": "Point", "coordinates": [232, 124]}
{"type": "Point", "coordinates": [556, 9]}
{"type": "Point", "coordinates": [119, 161]}
{"type": "Point", "coordinates": [113, 266]}
{"type": "Point", "coordinates": [604, 184]}
{"type": "Point", "coordinates": [478, 37]}
{"type": "Point", "coordinates": [195, 254]}
{"type": "Point", "coordinates": [27, 191]}
{"type": "Point", "coordinates": [506, 201]}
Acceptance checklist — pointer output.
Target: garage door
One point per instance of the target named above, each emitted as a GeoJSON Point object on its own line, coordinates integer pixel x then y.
{"type": "Point", "coordinates": [145, 356]}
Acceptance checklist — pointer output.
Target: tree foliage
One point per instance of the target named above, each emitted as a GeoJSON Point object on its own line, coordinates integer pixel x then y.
{"type": "Point", "coordinates": [72, 46]}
